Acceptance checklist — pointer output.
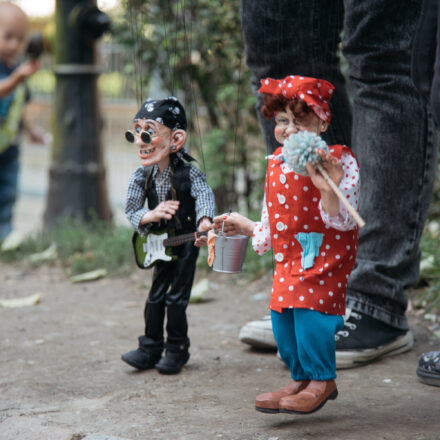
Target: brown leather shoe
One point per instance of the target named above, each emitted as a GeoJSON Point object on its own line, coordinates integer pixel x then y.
{"type": "Point", "coordinates": [269, 402]}
{"type": "Point", "coordinates": [309, 400]}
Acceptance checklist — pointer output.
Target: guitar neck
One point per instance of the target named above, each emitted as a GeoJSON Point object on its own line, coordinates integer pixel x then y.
{"type": "Point", "coordinates": [184, 238]}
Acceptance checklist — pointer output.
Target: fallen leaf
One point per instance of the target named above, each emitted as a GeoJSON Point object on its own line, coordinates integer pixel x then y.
{"type": "Point", "coordinates": [427, 265]}
{"type": "Point", "coordinates": [89, 276]}
{"type": "Point", "coordinates": [48, 254]}
{"type": "Point", "coordinates": [21, 302]}
{"type": "Point", "coordinates": [199, 290]}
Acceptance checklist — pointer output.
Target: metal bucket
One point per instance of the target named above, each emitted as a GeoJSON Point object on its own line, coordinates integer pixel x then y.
{"type": "Point", "coordinates": [229, 253]}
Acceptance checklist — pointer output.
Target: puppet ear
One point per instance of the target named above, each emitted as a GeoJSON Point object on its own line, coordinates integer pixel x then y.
{"type": "Point", "coordinates": [323, 127]}
{"type": "Point", "coordinates": [178, 139]}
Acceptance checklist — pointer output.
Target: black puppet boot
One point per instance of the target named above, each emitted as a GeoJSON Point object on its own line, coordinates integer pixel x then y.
{"type": "Point", "coordinates": [177, 345]}
{"type": "Point", "coordinates": [151, 345]}
{"type": "Point", "coordinates": [176, 356]}
{"type": "Point", "coordinates": [146, 356]}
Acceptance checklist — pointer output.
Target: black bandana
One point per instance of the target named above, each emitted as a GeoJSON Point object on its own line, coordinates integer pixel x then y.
{"type": "Point", "coordinates": [168, 112]}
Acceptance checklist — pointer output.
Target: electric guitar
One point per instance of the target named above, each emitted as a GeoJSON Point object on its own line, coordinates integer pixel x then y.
{"type": "Point", "coordinates": [156, 246]}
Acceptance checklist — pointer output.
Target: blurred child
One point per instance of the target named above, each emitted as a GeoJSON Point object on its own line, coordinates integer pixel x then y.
{"type": "Point", "coordinates": [14, 94]}
{"type": "Point", "coordinates": [314, 240]}
{"type": "Point", "coordinates": [178, 198]}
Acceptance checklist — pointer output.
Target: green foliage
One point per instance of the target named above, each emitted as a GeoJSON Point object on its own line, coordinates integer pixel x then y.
{"type": "Point", "coordinates": [111, 84]}
{"type": "Point", "coordinates": [82, 247]}
{"type": "Point", "coordinates": [214, 156]}
{"type": "Point", "coordinates": [257, 265]}
{"type": "Point", "coordinates": [42, 82]}
{"type": "Point", "coordinates": [434, 211]}
{"type": "Point", "coordinates": [194, 50]}
{"type": "Point", "coordinates": [427, 295]}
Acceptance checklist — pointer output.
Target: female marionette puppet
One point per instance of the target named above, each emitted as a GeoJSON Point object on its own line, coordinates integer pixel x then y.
{"type": "Point", "coordinates": [314, 240]}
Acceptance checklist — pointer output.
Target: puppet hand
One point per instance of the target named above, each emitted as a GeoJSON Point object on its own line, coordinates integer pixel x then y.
{"type": "Point", "coordinates": [204, 225]}
{"type": "Point", "coordinates": [234, 224]}
{"type": "Point", "coordinates": [332, 165]}
{"type": "Point", "coordinates": [164, 210]}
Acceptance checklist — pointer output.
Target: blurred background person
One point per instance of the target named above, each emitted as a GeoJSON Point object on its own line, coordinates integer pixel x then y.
{"type": "Point", "coordinates": [14, 94]}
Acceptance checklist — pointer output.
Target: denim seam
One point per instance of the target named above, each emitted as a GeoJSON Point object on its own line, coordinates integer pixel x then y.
{"type": "Point", "coordinates": [378, 312]}
{"type": "Point", "coordinates": [422, 182]}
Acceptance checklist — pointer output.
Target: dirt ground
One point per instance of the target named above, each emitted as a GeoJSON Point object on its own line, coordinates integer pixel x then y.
{"type": "Point", "coordinates": [61, 377]}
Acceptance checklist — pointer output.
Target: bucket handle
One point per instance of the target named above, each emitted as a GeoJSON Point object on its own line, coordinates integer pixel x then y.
{"type": "Point", "coordinates": [223, 224]}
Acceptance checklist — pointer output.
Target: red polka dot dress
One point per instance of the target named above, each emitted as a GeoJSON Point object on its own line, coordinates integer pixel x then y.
{"type": "Point", "coordinates": [292, 205]}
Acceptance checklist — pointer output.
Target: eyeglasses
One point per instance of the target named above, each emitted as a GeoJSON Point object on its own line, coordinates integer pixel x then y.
{"type": "Point", "coordinates": [145, 136]}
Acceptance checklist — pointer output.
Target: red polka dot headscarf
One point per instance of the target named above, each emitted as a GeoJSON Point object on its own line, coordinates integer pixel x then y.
{"type": "Point", "coordinates": [316, 93]}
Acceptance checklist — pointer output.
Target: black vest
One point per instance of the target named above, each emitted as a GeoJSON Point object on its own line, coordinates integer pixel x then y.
{"type": "Point", "coordinates": [186, 215]}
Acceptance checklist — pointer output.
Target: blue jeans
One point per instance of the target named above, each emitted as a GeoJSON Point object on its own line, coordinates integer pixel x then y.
{"type": "Point", "coordinates": [8, 188]}
{"type": "Point", "coordinates": [388, 126]}
{"type": "Point", "coordinates": [425, 63]}
{"type": "Point", "coordinates": [306, 342]}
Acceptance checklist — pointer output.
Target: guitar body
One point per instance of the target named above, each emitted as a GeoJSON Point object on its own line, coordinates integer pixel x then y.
{"type": "Point", "coordinates": [149, 249]}
{"type": "Point", "coordinates": [156, 246]}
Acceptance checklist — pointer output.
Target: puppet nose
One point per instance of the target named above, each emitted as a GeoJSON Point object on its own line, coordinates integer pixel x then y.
{"type": "Point", "coordinates": [292, 128]}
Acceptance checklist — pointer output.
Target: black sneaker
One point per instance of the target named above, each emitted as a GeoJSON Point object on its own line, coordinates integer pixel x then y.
{"type": "Point", "coordinates": [428, 370]}
{"type": "Point", "coordinates": [365, 339]}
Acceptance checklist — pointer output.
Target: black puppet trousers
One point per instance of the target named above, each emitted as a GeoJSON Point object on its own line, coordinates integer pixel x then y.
{"type": "Point", "coordinates": [172, 280]}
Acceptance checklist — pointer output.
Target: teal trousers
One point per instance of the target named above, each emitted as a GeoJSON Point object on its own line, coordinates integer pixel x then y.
{"type": "Point", "coordinates": [306, 342]}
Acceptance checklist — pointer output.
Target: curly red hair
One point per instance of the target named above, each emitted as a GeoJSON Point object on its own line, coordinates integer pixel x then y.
{"type": "Point", "coordinates": [278, 103]}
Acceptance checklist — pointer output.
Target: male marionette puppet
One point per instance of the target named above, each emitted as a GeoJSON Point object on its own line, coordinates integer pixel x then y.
{"type": "Point", "coordinates": [178, 199]}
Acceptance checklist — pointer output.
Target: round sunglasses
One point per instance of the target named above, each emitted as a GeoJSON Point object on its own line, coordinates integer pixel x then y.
{"type": "Point", "coordinates": [130, 137]}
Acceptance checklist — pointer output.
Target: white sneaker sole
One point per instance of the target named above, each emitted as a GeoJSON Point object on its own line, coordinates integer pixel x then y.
{"type": "Point", "coordinates": [356, 358]}
{"type": "Point", "coordinates": [258, 334]}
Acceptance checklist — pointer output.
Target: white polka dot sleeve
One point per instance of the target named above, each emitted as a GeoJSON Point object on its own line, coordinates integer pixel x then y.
{"type": "Point", "coordinates": [261, 241]}
{"type": "Point", "coordinates": [349, 186]}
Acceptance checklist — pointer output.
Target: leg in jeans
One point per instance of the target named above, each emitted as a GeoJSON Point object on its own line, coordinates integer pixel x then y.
{"type": "Point", "coordinates": [8, 188]}
{"type": "Point", "coordinates": [396, 148]}
{"type": "Point", "coordinates": [297, 37]}
{"type": "Point", "coordinates": [392, 137]}
{"type": "Point", "coordinates": [425, 72]}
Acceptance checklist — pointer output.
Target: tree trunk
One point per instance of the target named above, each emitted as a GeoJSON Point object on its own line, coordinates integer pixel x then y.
{"type": "Point", "coordinates": [77, 185]}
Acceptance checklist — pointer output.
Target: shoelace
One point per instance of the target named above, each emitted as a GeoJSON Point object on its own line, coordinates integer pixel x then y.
{"type": "Point", "coordinates": [350, 325]}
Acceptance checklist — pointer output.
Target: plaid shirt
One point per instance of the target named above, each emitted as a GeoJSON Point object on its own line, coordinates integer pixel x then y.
{"type": "Point", "coordinates": [200, 191]}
